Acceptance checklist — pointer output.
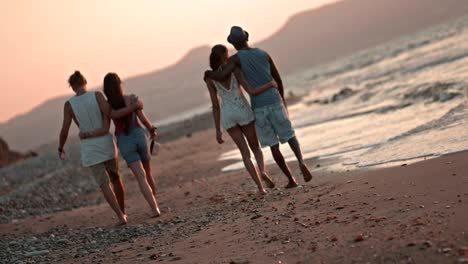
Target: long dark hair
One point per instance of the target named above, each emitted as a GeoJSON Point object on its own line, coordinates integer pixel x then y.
{"type": "Point", "coordinates": [218, 53]}
{"type": "Point", "coordinates": [114, 94]}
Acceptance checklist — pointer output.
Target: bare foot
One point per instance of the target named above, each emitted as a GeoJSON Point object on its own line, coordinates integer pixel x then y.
{"type": "Point", "coordinates": [123, 220]}
{"type": "Point", "coordinates": [269, 183]}
{"type": "Point", "coordinates": [291, 184]}
{"type": "Point", "coordinates": [156, 213]}
{"type": "Point", "coordinates": [306, 172]}
{"type": "Point", "coordinates": [262, 191]}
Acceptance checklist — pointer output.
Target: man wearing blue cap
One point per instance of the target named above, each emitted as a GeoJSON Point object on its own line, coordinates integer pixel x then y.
{"type": "Point", "coordinates": [271, 117]}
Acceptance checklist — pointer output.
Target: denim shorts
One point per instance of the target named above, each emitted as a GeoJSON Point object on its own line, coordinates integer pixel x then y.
{"type": "Point", "coordinates": [273, 125]}
{"type": "Point", "coordinates": [134, 146]}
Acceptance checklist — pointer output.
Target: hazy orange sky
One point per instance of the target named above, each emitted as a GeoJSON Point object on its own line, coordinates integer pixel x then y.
{"type": "Point", "coordinates": [42, 42]}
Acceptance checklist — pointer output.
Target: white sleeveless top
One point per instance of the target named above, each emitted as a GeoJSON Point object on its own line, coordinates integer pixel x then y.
{"type": "Point", "coordinates": [235, 110]}
{"type": "Point", "coordinates": [88, 114]}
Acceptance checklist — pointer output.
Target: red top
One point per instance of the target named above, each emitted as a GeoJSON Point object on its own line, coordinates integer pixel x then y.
{"type": "Point", "coordinates": [121, 123]}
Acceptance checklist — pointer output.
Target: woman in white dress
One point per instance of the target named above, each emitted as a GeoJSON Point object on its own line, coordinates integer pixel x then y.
{"type": "Point", "coordinates": [235, 115]}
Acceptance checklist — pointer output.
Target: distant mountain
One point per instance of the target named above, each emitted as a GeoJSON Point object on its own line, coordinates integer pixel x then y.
{"type": "Point", "coordinates": [308, 39]}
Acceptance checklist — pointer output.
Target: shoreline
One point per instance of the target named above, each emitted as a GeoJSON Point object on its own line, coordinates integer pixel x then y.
{"type": "Point", "coordinates": [414, 213]}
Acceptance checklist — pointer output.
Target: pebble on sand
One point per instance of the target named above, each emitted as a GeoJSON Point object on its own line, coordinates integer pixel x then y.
{"type": "Point", "coordinates": [36, 253]}
{"type": "Point", "coordinates": [359, 238]}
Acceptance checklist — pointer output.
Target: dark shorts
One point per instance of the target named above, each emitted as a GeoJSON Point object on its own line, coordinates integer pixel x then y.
{"type": "Point", "coordinates": [134, 146]}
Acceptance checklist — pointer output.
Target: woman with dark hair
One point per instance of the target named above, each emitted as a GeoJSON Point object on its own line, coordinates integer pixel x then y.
{"type": "Point", "coordinates": [92, 114]}
{"type": "Point", "coordinates": [132, 139]}
{"type": "Point", "coordinates": [235, 115]}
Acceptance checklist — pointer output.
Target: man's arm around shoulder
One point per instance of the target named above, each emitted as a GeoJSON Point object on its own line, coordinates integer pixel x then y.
{"type": "Point", "coordinates": [222, 75]}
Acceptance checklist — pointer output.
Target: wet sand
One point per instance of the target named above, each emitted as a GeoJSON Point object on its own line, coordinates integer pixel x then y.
{"type": "Point", "coordinates": [417, 213]}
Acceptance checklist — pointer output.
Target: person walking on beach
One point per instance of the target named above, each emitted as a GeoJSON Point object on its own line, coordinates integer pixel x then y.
{"type": "Point", "coordinates": [235, 115]}
{"type": "Point", "coordinates": [269, 107]}
{"type": "Point", "coordinates": [132, 139]}
{"type": "Point", "coordinates": [90, 112]}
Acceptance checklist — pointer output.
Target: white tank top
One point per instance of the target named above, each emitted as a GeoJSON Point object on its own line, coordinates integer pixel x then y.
{"type": "Point", "coordinates": [88, 114]}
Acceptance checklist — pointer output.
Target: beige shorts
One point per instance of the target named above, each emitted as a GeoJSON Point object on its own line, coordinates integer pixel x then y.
{"type": "Point", "coordinates": [102, 172]}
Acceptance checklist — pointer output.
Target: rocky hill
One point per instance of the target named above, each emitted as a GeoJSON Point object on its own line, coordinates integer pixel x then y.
{"type": "Point", "coordinates": [8, 156]}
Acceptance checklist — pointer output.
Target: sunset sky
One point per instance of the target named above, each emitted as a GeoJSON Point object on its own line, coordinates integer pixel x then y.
{"type": "Point", "coordinates": [42, 42]}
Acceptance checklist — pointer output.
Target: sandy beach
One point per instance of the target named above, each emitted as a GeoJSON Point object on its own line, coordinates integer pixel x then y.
{"type": "Point", "coordinates": [413, 213]}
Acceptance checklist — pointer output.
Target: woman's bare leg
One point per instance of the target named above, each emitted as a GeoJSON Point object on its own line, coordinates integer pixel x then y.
{"type": "Point", "coordinates": [140, 175]}
{"type": "Point", "coordinates": [238, 137]}
{"type": "Point", "coordinates": [149, 176]}
{"type": "Point", "coordinates": [251, 135]}
{"type": "Point", "coordinates": [109, 195]}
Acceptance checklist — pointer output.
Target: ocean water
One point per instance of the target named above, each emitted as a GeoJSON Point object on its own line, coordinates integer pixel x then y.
{"type": "Point", "coordinates": [396, 103]}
